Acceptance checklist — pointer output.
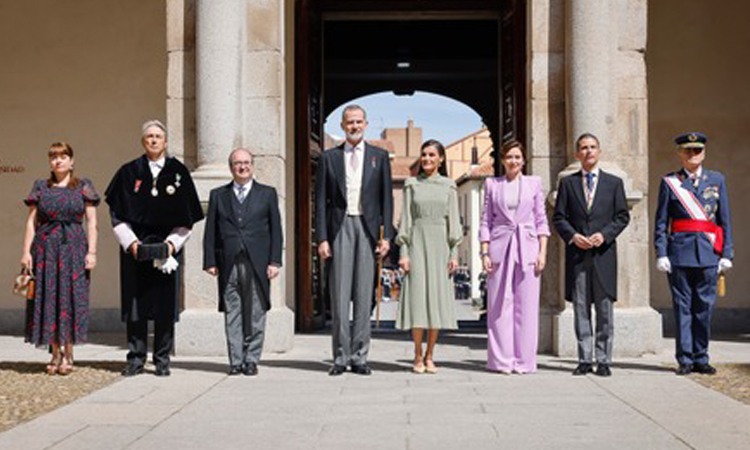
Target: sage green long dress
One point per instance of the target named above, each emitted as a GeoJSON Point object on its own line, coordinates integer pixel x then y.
{"type": "Point", "coordinates": [429, 234]}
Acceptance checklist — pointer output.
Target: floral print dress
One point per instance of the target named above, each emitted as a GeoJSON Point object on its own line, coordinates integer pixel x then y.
{"type": "Point", "coordinates": [60, 310]}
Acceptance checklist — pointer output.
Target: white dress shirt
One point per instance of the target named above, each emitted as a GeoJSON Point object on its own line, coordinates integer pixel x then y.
{"type": "Point", "coordinates": [354, 177]}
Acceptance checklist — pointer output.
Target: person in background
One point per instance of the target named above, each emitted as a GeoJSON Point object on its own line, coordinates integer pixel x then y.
{"type": "Point", "coordinates": [429, 234]}
{"type": "Point", "coordinates": [513, 234]}
{"type": "Point", "coordinates": [60, 255]}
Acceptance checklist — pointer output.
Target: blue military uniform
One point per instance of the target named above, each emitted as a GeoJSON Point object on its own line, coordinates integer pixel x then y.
{"type": "Point", "coordinates": [693, 255]}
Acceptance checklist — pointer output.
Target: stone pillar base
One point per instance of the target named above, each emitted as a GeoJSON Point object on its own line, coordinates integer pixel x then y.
{"type": "Point", "coordinates": [637, 331]}
{"type": "Point", "coordinates": [279, 330]}
{"type": "Point", "coordinates": [200, 332]}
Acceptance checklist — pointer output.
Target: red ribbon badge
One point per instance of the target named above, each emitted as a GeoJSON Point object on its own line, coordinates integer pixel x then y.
{"type": "Point", "coordinates": [137, 185]}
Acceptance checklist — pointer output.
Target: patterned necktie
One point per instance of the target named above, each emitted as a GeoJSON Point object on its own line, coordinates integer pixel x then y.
{"type": "Point", "coordinates": [354, 161]}
{"type": "Point", "coordinates": [589, 189]}
{"type": "Point", "coordinates": [241, 194]}
{"type": "Point", "coordinates": [589, 181]}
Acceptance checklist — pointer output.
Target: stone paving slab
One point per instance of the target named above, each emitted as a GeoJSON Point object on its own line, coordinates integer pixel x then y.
{"type": "Point", "coordinates": [294, 404]}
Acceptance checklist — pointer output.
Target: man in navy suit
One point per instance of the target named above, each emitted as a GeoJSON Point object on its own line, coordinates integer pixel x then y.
{"type": "Point", "coordinates": [354, 198]}
{"type": "Point", "coordinates": [693, 240]}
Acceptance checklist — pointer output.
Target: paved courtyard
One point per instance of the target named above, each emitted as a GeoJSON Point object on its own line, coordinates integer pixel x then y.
{"type": "Point", "coordinates": [294, 404]}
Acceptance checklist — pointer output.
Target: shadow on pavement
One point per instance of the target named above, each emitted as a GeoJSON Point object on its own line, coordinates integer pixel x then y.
{"type": "Point", "coordinates": [570, 364]}
{"type": "Point", "coordinates": [472, 339]}
{"type": "Point", "coordinates": [40, 367]}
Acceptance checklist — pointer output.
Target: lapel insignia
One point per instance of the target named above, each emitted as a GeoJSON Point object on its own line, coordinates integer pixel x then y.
{"type": "Point", "coordinates": [137, 185]}
{"type": "Point", "coordinates": [373, 161]}
{"type": "Point", "coordinates": [177, 180]}
{"type": "Point", "coordinates": [171, 190]}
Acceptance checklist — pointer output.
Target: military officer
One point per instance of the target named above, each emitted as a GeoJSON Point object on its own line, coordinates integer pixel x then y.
{"type": "Point", "coordinates": [693, 240]}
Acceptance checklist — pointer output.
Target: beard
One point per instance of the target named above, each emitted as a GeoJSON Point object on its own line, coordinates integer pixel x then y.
{"type": "Point", "coordinates": [355, 136]}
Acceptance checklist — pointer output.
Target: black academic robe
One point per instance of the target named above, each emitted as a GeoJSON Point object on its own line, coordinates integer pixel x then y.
{"type": "Point", "coordinates": [146, 292]}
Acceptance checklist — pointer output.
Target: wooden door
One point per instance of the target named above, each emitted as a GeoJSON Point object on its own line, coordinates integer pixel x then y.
{"type": "Point", "coordinates": [309, 137]}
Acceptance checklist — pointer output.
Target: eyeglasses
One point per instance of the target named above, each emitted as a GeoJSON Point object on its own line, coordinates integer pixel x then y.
{"type": "Point", "coordinates": [693, 150]}
{"type": "Point", "coordinates": [242, 163]}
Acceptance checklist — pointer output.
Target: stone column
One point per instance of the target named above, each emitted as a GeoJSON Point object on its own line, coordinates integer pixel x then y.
{"type": "Point", "coordinates": [603, 97]}
{"type": "Point", "coordinates": [218, 35]}
{"type": "Point", "coordinates": [591, 45]}
{"type": "Point", "coordinates": [264, 130]}
{"type": "Point", "coordinates": [226, 118]}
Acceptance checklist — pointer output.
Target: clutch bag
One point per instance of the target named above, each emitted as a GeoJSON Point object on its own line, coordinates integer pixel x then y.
{"type": "Point", "coordinates": [151, 249]}
{"type": "Point", "coordinates": [24, 284]}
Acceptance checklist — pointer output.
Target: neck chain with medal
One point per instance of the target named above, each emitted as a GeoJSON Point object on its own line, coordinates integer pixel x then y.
{"type": "Point", "coordinates": [154, 191]}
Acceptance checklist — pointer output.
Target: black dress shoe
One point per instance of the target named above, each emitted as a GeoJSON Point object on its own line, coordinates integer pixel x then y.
{"type": "Point", "coordinates": [705, 369]}
{"type": "Point", "coordinates": [162, 371]}
{"type": "Point", "coordinates": [603, 370]}
{"type": "Point", "coordinates": [583, 369]}
{"type": "Point", "coordinates": [336, 370]}
{"type": "Point", "coordinates": [684, 369]}
{"type": "Point", "coordinates": [131, 370]}
{"type": "Point", "coordinates": [234, 370]}
{"type": "Point", "coordinates": [361, 369]}
{"type": "Point", "coordinates": [250, 369]}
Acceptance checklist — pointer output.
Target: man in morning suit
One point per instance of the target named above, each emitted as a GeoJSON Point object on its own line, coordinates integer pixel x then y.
{"type": "Point", "coordinates": [590, 212]}
{"type": "Point", "coordinates": [242, 245]}
{"type": "Point", "coordinates": [354, 198]}
{"type": "Point", "coordinates": [693, 240]}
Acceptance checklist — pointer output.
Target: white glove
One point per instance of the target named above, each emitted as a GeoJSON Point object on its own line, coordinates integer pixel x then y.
{"type": "Point", "coordinates": [167, 266]}
{"type": "Point", "coordinates": [724, 265]}
{"type": "Point", "coordinates": [663, 264]}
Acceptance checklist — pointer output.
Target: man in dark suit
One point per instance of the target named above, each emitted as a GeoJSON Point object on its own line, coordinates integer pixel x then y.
{"type": "Point", "coordinates": [590, 212]}
{"type": "Point", "coordinates": [354, 198]}
{"type": "Point", "coordinates": [242, 245]}
{"type": "Point", "coordinates": [693, 240]}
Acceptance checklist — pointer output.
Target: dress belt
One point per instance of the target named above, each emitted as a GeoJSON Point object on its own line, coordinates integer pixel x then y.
{"type": "Point", "coordinates": [50, 225]}
{"type": "Point", "coordinates": [430, 220]}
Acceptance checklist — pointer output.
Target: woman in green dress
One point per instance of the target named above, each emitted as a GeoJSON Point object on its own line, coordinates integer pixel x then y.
{"type": "Point", "coordinates": [429, 234]}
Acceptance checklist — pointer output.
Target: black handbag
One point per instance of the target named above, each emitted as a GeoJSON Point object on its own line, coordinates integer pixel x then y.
{"type": "Point", "coordinates": [152, 248]}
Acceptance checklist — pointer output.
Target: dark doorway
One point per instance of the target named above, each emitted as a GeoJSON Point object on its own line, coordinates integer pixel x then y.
{"type": "Point", "coordinates": [471, 51]}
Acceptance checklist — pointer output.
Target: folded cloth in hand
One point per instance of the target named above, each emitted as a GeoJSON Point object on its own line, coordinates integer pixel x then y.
{"type": "Point", "coordinates": [167, 265]}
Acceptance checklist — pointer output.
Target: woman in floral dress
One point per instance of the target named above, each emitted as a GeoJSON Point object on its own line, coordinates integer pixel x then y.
{"type": "Point", "coordinates": [60, 254]}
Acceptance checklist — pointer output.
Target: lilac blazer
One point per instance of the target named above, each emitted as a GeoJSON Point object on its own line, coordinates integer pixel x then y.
{"type": "Point", "coordinates": [500, 227]}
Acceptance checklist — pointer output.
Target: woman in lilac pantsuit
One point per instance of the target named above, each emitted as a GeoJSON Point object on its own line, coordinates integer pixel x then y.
{"type": "Point", "coordinates": [513, 236]}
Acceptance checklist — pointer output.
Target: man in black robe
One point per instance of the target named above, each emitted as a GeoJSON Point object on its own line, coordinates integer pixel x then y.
{"type": "Point", "coordinates": [153, 204]}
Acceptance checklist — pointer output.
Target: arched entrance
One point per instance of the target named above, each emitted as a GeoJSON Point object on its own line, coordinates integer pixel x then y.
{"type": "Point", "coordinates": [472, 51]}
